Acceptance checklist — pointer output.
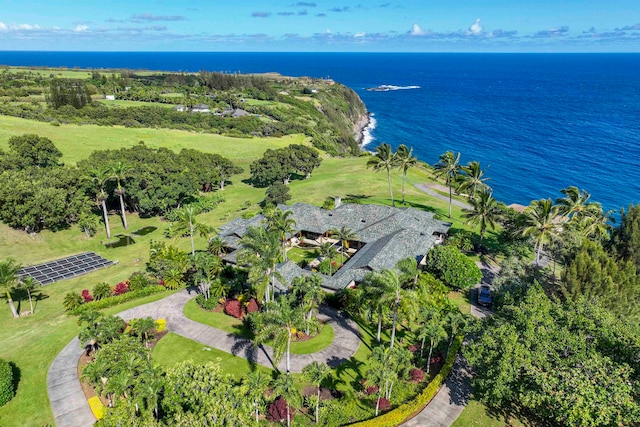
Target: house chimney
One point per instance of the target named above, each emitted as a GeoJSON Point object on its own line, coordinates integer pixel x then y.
{"type": "Point", "coordinates": [337, 201]}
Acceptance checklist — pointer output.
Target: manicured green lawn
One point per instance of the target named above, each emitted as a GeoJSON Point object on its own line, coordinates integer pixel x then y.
{"type": "Point", "coordinates": [461, 300]}
{"type": "Point", "coordinates": [173, 349]}
{"type": "Point", "coordinates": [298, 255]}
{"type": "Point", "coordinates": [235, 326]}
{"type": "Point", "coordinates": [475, 414]}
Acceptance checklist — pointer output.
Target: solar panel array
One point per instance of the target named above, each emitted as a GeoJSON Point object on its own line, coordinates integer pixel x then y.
{"type": "Point", "coordinates": [65, 268]}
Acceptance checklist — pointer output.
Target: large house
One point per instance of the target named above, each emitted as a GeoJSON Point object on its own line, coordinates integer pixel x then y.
{"type": "Point", "coordinates": [384, 236]}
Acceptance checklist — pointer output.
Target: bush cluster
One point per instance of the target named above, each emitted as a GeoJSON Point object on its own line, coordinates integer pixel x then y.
{"type": "Point", "coordinates": [115, 300]}
{"type": "Point", "coordinates": [207, 304]}
{"type": "Point", "coordinates": [234, 308]}
{"type": "Point", "coordinates": [6, 382]}
{"type": "Point", "coordinates": [277, 412]}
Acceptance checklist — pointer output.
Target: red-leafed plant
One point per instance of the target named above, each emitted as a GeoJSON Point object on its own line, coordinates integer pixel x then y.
{"type": "Point", "coordinates": [371, 390]}
{"type": "Point", "coordinates": [413, 348]}
{"type": "Point", "coordinates": [86, 295]}
{"type": "Point", "coordinates": [385, 405]}
{"type": "Point", "coordinates": [417, 375]}
{"type": "Point", "coordinates": [252, 306]}
{"type": "Point", "coordinates": [277, 411]}
{"type": "Point", "coordinates": [234, 308]}
{"type": "Point", "coordinates": [121, 288]}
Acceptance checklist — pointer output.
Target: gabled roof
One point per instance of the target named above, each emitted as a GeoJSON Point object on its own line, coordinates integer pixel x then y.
{"type": "Point", "coordinates": [390, 234]}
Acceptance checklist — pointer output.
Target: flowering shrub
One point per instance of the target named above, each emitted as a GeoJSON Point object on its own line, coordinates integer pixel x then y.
{"type": "Point", "coordinates": [252, 306]}
{"type": "Point", "coordinates": [417, 375]}
{"type": "Point", "coordinates": [277, 412]}
{"type": "Point", "coordinates": [385, 405]}
{"type": "Point", "coordinates": [121, 288]}
{"type": "Point", "coordinates": [234, 308]}
{"type": "Point", "coordinates": [86, 295]}
{"type": "Point", "coordinates": [161, 325]}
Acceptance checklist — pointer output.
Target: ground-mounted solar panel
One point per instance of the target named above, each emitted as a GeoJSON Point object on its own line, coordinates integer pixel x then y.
{"type": "Point", "coordinates": [65, 268]}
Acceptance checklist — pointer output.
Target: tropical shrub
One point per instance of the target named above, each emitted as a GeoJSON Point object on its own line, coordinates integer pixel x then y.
{"type": "Point", "coordinates": [207, 304]}
{"type": "Point", "coordinates": [453, 267]}
{"type": "Point", "coordinates": [96, 407]}
{"type": "Point", "coordinates": [86, 295]}
{"type": "Point", "coordinates": [234, 308]}
{"type": "Point", "coordinates": [101, 290]}
{"type": "Point", "coordinates": [121, 288]}
{"type": "Point", "coordinates": [114, 300]}
{"type": "Point", "coordinates": [161, 325]}
{"type": "Point", "coordinates": [6, 382]}
{"type": "Point", "coordinates": [277, 412]}
{"type": "Point", "coordinates": [417, 375]}
{"type": "Point", "coordinates": [252, 306]}
{"type": "Point", "coordinates": [138, 280]}
{"type": "Point", "coordinates": [385, 405]}
{"type": "Point", "coordinates": [72, 300]}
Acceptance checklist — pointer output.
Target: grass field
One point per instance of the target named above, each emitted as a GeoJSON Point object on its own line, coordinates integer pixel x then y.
{"type": "Point", "coordinates": [33, 342]}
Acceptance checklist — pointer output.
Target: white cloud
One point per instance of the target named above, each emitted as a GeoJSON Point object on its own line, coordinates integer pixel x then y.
{"type": "Point", "coordinates": [18, 27]}
{"type": "Point", "coordinates": [417, 31]}
{"type": "Point", "coordinates": [476, 28]}
{"type": "Point", "coordinates": [80, 28]}
{"type": "Point", "coordinates": [3, 26]}
{"type": "Point", "coordinates": [359, 35]}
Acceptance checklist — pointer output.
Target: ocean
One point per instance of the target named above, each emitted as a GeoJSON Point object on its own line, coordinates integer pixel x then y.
{"type": "Point", "coordinates": [536, 122]}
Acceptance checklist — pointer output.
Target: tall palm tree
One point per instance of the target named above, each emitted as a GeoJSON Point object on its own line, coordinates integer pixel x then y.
{"type": "Point", "coordinates": [406, 160]}
{"type": "Point", "coordinates": [261, 250]}
{"type": "Point", "coordinates": [597, 224]}
{"type": "Point", "coordinates": [457, 322]}
{"type": "Point", "coordinates": [216, 246]}
{"type": "Point", "coordinates": [389, 288]}
{"type": "Point", "coordinates": [386, 159]}
{"type": "Point", "coordinates": [328, 251]}
{"type": "Point", "coordinates": [433, 330]}
{"type": "Point", "coordinates": [308, 291]}
{"type": "Point", "coordinates": [343, 234]}
{"type": "Point", "coordinates": [188, 224]}
{"type": "Point", "coordinates": [8, 276]}
{"type": "Point", "coordinates": [29, 284]}
{"type": "Point", "coordinates": [485, 211]}
{"type": "Point", "coordinates": [281, 222]}
{"type": "Point", "coordinates": [574, 204]}
{"type": "Point", "coordinates": [254, 385]}
{"type": "Point", "coordinates": [472, 179]}
{"type": "Point", "coordinates": [375, 300]}
{"type": "Point", "coordinates": [449, 168]}
{"type": "Point", "coordinates": [284, 386]}
{"type": "Point", "coordinates": [99, 177]}
{"type": "Point", "coordinates": [279, 324]}
{"type": "Point", "coordinates": [540, 223]}
{"type": "Point", "coordinates": [315, 373]}
{"type": "Point", "coordinates": [119, 172]}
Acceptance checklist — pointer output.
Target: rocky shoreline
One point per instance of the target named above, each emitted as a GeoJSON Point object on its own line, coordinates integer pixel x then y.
{"type": "Point", "coordinates": [360, 126]}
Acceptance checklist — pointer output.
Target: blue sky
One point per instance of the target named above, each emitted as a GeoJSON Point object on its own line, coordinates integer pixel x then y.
{"type": "Point", "coordinates": [380, 26]}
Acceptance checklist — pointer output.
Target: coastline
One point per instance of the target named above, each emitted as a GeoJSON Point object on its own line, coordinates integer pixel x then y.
{"type": "Point", "coordinates": [363, 129]}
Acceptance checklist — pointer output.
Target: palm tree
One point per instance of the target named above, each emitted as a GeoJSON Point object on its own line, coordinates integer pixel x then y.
{"type": "Point", "coordinates": [315, 373]}
{"type": "Point", "coordinates": [143, 328]}
{"type": "Point", "coordinates": [485, 211]}
{"type": "Point", "coordinates": [281, 222]}
{"type": "Point", "coordinates": [406, 160]}
{"type": "Point", "coordinates": [99, 177]}
{"type": "Point", "coordinates": [540, 223]}
{"type": "Point", "coordinates": [384, 158]}
{"type": "Point", "coordinates": [29, 284]}
{"type": "Point", "coordinates": [387, 287]}
{"type": "Point", "coordinates": [343, 234]}
{"type": "Point", "coordinates": [216, 246]}
{"type": "Point", "coordinates": [449, 168]}
{"type": "Point", "coordinates": [308, 291]}
{"type": "Point", "coordinates": [574, 204]}
{"type": "Point", "coordinates": [8, 277]}
{"type": "Point", "coordinates": [328, 251]}
{"type": "Point", "coordinates": [254, 386]}
{"type": "Point", "coordinates": [596, 224]}
{"type": "Point", "coordinates": [471, 180]}
{"type": "Point", "coordinates": [119, 172]}
{"type": "Point", "coordinates": [457, 322]}
{"type": "Point", "coordinates": [284, 386]}
{"type": "Point", "coordinates": [188, 224]}
{"type": "Point", "coordinates": [279, 324]}
{"type": "Point", "coordinates": [434, 330]}
{"type": "Point", "coordinates": [261, 250]}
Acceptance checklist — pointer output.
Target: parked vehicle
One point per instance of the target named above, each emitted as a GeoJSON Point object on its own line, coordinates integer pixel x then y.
{"type": "Point", "coordinates": [484, 295]}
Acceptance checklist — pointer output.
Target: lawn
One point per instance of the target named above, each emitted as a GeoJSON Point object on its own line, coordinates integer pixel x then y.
{"type": "Point", "coordinates": [299, 255]}
{"type": "Point", "coordinates": [475, 414]}
{"type": "Point", "coordinates": [235, 326]}
{"type": "Point", "coordinates": [33, 342]}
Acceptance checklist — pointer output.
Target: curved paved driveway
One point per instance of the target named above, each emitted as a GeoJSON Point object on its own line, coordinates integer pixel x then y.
{"type": "Point", "coordinates": [68, 403]}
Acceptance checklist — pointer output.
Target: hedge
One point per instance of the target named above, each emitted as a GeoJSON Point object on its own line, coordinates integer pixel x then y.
{"type": "Point", "coordinates": [118, 299]}
{"type": "Point", "coordinates": [409, 409]}
{"type": "Point", "coordinates": [96, 407]}
{"type": "Point", "coordinates": [6, 382]}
